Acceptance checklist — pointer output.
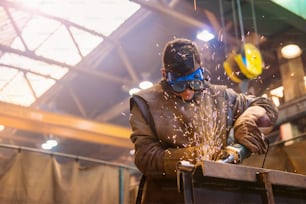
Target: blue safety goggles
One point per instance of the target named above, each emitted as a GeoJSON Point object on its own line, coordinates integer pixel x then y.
{"type": "Point", "coordinates": [194, 81]}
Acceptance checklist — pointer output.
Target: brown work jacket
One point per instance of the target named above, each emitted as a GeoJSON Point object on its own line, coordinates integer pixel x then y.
{"type": "Point", "coordinates": [161, 121]}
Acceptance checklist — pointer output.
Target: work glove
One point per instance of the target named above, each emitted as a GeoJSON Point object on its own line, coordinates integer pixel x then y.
{"type": "Point", "coordinates": [173, 155]}
{"type": "Point", "coordinates": [249, 135]}
{"type": "Point", "coordinates": [247, 132]}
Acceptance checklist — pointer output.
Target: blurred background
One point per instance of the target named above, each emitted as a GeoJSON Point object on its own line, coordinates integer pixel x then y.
{"type": "Point", "coordinates": [67, 68]}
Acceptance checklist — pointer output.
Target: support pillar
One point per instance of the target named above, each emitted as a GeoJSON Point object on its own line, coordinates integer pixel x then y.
{"type": "Point", "coordinates": [292, 74]}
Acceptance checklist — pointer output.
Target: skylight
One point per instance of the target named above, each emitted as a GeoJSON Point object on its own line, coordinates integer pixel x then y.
{"type": "Point", "coordinates": [41, 40]}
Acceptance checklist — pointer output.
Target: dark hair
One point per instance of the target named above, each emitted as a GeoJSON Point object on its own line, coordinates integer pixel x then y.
{"type": "Point", "coordinates": [180, 56]}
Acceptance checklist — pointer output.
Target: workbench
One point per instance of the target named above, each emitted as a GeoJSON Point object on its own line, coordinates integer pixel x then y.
{"type": "Point", "coordinates": [214, 182]}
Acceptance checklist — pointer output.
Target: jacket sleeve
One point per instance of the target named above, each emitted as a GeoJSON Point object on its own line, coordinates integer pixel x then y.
{"type": "Point", "coordinates": [149, 152]}
{"type": "Point", "coordinates": [151, 157]}
{"type": "Point", "coordinates": [239, 103]}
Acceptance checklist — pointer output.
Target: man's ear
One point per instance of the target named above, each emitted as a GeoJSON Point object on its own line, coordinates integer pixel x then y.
{"type": "Point", "coordinates": [164, 73]}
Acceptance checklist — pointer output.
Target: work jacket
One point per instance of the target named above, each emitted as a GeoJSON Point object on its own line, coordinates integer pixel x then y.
{"type": "Point", "coordinates": [164, 128]}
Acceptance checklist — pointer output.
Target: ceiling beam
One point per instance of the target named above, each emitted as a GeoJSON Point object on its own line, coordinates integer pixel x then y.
{"type": "Point", "coordinates": [114, 111]}
{"type": "Point", "coordinates": [62, 125]}
{"type": "Point", "coordinates": [176, 15]}
{"type": "Point", "coordinates": [91, 72]}
{"type": "Point", "coordinates": [126, 61]}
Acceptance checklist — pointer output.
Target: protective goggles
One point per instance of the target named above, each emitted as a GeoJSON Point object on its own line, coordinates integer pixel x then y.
{"type": "Point", "coordinates": [194, 81]}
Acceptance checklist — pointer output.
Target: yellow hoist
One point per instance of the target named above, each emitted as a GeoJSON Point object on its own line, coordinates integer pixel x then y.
{"type": "Point", "coordinates": [247, 64]}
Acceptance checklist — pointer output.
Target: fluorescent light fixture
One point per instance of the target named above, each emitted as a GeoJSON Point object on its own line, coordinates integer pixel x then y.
{"type": "Point", "coordinates": [49, 144]}
{"type": "Point", "coordinates": [145, 84]}
{"type": "Point", "coordinates": [205, 36]}
{"type": "Point", "coordinates": [133, 90]}
{"type": "Point", "coordinates": [132, 152]}
{"type": "Point", "coordinates": [142, 85]}
{"type": "Point", "coordinates": [291, 51]}
{"type": "Point", "coordinates": [52, 142]}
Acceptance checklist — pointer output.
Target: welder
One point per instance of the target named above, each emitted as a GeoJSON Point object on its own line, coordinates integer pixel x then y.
{"type": "Point", "coordinates": [184, 117]}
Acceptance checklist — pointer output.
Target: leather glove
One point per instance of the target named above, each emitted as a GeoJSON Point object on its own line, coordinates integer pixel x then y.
{"type": "Point", "coordinates": [248, 134]}
{"type": "Point", "coordinates": [172, 156]}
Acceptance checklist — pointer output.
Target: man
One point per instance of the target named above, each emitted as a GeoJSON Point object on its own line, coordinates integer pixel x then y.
{"type": "Point", "coordinates": [184, 117]}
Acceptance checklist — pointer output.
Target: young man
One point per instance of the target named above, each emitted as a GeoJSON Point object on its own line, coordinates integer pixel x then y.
{"type": "Point", "coordinates": [184, 117]}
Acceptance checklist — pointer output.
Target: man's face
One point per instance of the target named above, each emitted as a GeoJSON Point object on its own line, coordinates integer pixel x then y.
{"type": "Point", "coordinates": [186, 95]}
{"type": "Point", "coordinates": [185, 86]}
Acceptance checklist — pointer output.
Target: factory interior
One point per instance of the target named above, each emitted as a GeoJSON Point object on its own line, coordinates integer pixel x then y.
{"type": "Point", "coordinates": [68, 69]}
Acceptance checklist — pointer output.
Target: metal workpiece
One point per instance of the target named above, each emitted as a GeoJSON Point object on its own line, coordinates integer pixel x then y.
{"type": "Point", "coordinates": [216, 182]}
{"type": "Point", "coordinates": [185, 170]}
{"type": "Point", "coordinates": [236, 153]}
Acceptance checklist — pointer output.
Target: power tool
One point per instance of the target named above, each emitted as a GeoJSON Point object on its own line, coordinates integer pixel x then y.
{"type": "Point", "coordinates": [236, 152]}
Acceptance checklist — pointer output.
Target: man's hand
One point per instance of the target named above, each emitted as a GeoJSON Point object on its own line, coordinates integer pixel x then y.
{"type": "Point", "coordinates": [248, 134]}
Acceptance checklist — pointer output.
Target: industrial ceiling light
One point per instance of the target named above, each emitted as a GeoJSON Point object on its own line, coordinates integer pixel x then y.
{"type": "Point", "coordinates": [133, 90]}
{"type": "Point", "coordinates": [205, 36]}
{"type": "Point", "coordinates": [145, 84]}
{"type": "Point", "coordinates": [49, 144]}
{"type": "Point", "coordinates": [142, 85]}
{"type": "Point", "coordinates": [291, 51]}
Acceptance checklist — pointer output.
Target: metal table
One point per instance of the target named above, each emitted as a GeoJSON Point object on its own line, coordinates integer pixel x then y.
{"type": "Point", "coordinates": [214, 182]}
